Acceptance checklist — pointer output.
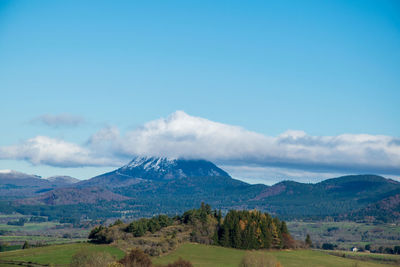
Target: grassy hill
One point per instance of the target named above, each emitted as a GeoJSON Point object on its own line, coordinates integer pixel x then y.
{"type": "Point", "coordinates": [209, 256]}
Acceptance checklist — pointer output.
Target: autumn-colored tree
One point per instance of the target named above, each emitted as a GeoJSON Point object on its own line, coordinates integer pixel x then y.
{"type": "Point", "coordinates": [276, 241]}
{"type": "Point", "coordinates": [136, 258]}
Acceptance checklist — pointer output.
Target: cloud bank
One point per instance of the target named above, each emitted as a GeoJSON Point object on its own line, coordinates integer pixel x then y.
{"type": "Point", "coordinates": [60, 120]}
{"type": "Point", "coordinates": [182, 135]}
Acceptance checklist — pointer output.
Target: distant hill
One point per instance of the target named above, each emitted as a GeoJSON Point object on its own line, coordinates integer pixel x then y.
{"type": "Point", "coordinates": [151, 185]}
{"type": "Point", "coordinates": [15, 184]}
{"type": "Point", "coordinates": [332, 197]}
{"type": "Point", "coordinates": [385, 210]}
{"type": "Point", "coordinates": [71, 196]}
{"type": "Point", "coordinates": [62, 180]}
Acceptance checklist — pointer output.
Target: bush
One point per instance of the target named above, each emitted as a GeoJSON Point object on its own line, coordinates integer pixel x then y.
{"type": "Point", "coordinates": [20, 222]}
{"type": "Point", "coordinates": [328, 246]}
{"type": "Point", "coordinates": [26, 245]}
{"type": "Point", "coordinates": [136, 258]}
{"type": "Point", "coordinates": [252, 259]}
{"type": "Point", "coordinates": [86, 258]}
{"type": "Point", "coordinates": [179, 263]}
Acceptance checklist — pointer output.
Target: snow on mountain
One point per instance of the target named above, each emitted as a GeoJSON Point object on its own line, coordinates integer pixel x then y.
{"type": "Point", "coordinates": [151, 163]}
{"type": "Point", "coordinates": [152, 169]}
{"type": "Point", "coordinates": [156, 168]}
{"type": "Point", "coordinates": [62, 179]}
{"type": "Point", "coordinates": [11, 174]}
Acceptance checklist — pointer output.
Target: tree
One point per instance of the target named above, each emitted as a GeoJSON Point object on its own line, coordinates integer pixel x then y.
{"type": "Point", "coordinates": [275, 236]}
{"type": "Point", "coordinates": [328, 246]}
{"type": "Point", "coordinates": [117, 222]}
{"type": "Point", "coordinates": [368, 247]}
{"type": "Point", "coordinates": [136, 258]}
{"type": "Point", "coordinates": [308, 241]}
{"type": "Point", "coordinates": [26, 245]}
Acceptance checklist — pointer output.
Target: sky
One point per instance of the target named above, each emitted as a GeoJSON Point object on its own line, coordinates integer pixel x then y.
{"type": "Point", "coordinates": [268, 90]}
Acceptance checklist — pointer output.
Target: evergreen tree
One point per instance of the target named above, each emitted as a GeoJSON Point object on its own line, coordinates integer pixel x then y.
{"type": "Point", "coordinates": [225, 239]}
{"type": "Point", "coordinates": [276, 241]}
{"type": "Point", "coordinates": [236, 237]}
{"type": "Point", "coordinates": [308, 241]}
{"type": "Point", "coordinates": [284, 229]}
{"type": "Point", "coordinates": [26, 245]}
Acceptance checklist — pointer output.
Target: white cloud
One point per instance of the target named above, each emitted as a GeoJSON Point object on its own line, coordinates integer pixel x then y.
{"type": "Point", "coordinates": [53, 152]}
{"type": "Point", "coordinates": [59, 120]}
{"type": "Point", "coordinates": [182, 135]}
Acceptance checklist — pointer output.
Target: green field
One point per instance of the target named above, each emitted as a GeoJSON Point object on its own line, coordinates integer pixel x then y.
{"type": "Point", "coordinates": [202, 256]}
{"type": "Point", "coordinates": [29, 226]}
{"type": "Point", "coordinates": [346, 234]}
{"type": "Point", "coordinates": [57, 254]}
{"type": "Point", "coordinates": [39, 233]}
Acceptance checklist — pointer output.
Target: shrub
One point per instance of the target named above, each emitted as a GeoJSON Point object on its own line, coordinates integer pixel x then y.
{"type": "Point", "coordinates": [252, 259]}
{"type": "Point", "coordinates": [136, 258]}
{"type": "Point", "coordinates": [179, 263]}
{"type": "Point", "coordinates": [328, 246]}
{"type": "Point", "coordinates": [26, 245]}
{"type": "Point", "coordinates": [86, 258]}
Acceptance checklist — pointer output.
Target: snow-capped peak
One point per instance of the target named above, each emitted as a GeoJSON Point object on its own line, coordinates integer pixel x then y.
{"type": "Point", "coordinates": [159, 168]}
{"type": "Point", "coordinates": [151, 163]}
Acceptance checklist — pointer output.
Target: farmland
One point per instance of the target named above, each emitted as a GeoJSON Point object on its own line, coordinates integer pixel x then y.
{"type": "Point", "coordinates": [347, 234]}
{"type": "Point", "coordinates": [202, 256]}
{"type": "Point", "coordinates": [38, 233]}
{"type": "Point", "coordinates": [59, 255]}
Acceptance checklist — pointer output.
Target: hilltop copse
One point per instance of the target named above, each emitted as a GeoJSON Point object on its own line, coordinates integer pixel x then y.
{"type": "Point", "coordinates": [238, 229]}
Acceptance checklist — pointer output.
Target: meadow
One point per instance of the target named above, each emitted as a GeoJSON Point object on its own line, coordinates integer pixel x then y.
{"type": "Point", "coordinates": [38, 232]}
{"type": "Point", "coordinates": [59, 255]}
{"type": "Point", "coordinates": [346, 234]}
{"type": "Point", "coordinates": [202, 256]}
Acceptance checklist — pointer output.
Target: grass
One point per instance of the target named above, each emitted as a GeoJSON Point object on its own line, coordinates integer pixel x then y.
{"type": "Point", "coordinates": [199, 255]}
{"type": "Point", "coordinates": [34, 239]}
{"type": "Point", "coordinates": [44, 233]}
{"type": "Point", "coordinates": [29, 226]}
{"type": "Point", "coordinates": [202, 256]}
{"type": "Point", "coordinates": [56, 254]}
{"type": "Point", "coordinates": [346, 234]}
{"type": "Point", "coordinates": [386, 258]}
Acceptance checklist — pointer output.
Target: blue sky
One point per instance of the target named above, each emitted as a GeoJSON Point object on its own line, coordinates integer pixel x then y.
{"type": "Point", "coordinates": [326, 68]}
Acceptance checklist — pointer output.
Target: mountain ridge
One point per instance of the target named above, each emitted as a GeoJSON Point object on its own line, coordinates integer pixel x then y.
{"type": "Point", "coordinates": [150, 185]}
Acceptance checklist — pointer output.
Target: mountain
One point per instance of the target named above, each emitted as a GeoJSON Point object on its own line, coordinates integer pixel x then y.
{"type": "Point", "coordinates": [71, 196]}
{"type": "Point", "coordinates": [155, 169]}
{"type": "Point", "coordinates": [14, 177]}
{"type": "Point", "coordinates": [15, 184]}
{"type": "Point", "coordinates": [332, 197]}
{"type": "Point", "coordinates": [62, 180]}
{"type": "Point", "coordinates": [151, 185]}
{"type": "Point", "coordinates": [385, 210]}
